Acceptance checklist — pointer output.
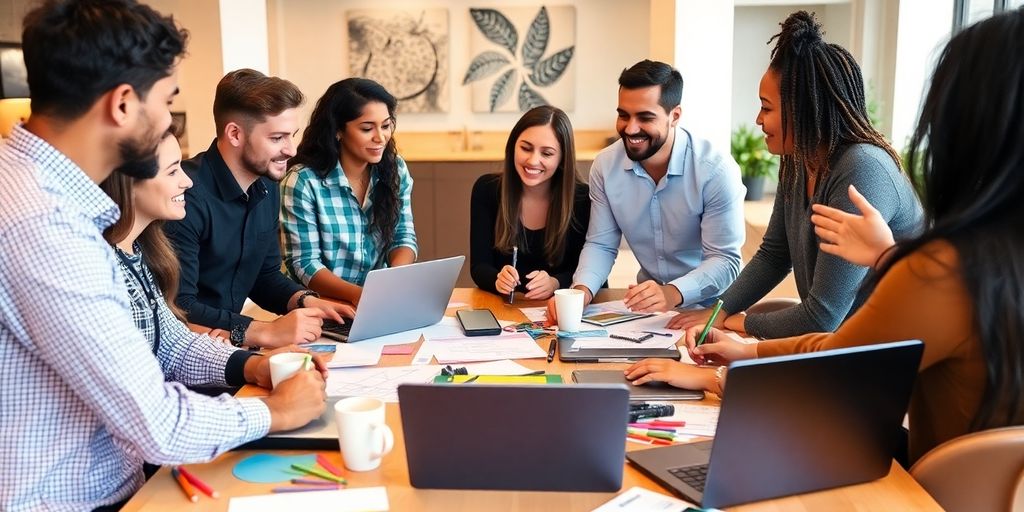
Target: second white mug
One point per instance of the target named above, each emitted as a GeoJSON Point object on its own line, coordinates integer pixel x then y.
{"type": "Point", "coordinates": [363, 435]}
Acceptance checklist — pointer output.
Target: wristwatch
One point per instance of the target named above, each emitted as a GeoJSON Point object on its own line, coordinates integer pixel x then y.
{"type": "Point", "coordinates": [302, 298]}
{"type": "Point", "coordinates": [237, 336]}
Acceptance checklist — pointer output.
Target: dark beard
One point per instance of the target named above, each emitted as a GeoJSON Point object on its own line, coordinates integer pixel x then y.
{"type": "Point", "coordinates": [653, 146]}
{"type": "Point", "coordinates": [137, 162]}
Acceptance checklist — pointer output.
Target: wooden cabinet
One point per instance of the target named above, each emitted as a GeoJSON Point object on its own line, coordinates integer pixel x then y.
{"type": "Point", "coordinates": [440, 206]}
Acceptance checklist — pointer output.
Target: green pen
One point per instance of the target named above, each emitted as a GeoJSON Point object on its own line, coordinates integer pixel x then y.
{"type": "Point", "coordinates": [707, 328]}
{"type": "Point", "coordinates": [307, 363]}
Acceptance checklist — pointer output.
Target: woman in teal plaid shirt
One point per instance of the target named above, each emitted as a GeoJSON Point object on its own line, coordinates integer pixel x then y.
{"type": "Point", "coordinates": [346, 205]}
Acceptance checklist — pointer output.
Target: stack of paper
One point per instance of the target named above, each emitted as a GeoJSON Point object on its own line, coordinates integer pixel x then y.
{"type": "Point", "coordinates": [348, 355]}
{"type": "Point", "coordinates": [382, 383]}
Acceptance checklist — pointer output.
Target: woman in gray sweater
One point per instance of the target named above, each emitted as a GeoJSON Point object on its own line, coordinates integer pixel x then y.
{"type": "Point", "coordinates": [813, 114]}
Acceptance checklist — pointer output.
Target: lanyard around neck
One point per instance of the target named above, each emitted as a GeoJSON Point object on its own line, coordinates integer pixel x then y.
{"type": "Point", "coordinates": [147, 289]}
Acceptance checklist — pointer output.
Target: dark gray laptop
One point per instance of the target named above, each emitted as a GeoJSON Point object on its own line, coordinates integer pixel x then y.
{"type": "Point", "coordinates": [568, 353]}
{"type": "Point", "coordinates": [528, 438]}
{"type": "Point", "coordinates": [795, 424]}
{"type": "Point", "coordinates": [397, 299]}
{"type": "Point", "coordinates": [649, 391]}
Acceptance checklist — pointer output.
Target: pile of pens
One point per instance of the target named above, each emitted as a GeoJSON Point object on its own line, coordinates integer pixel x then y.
{"type": "Point", "coordinates": [189, 483]}
{"type": "Point", "coordinates": [327, 479]}
{"type": "Point", "coordinates": [657, 432]}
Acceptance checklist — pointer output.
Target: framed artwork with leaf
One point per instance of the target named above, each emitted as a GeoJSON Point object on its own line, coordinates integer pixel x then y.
{"type": "Point", "coordinates": [522, 57]}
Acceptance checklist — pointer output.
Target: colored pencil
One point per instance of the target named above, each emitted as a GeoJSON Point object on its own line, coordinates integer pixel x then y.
{"type": "Point", "coordinates": [326, 464]}
{"type": "Point", "coordinates": [306, 489]}
{"type": "Point", "coordinates": [319, 474]}
{"type": "Point", "coordinates": [652, 440]}
{"type": "Point", "coordinates": [197, 483]}
{"type": "Point", "coordinates": [666, 423]}
{"type": "Point", "coordinates": [186, 488]}
{"type": "Point", "coordinates": [310, 481]}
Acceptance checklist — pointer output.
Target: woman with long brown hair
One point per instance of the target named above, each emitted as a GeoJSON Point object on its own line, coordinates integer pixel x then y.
{"type": "Point", "coordinates": [533, 214]}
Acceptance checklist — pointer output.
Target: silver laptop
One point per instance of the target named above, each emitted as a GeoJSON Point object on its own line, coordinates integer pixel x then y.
{"type": "Point", "coordinates": [529, 438]}
{"type": "Point", "coordinates": [795, 424]}
{"type": "Point", "coordinates": [397, 299]}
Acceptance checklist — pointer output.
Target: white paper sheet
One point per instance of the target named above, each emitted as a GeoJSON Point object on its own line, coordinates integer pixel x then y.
{"type": "Point", "coordinates": [349, 355]}
{"type": "Point", "coordinates": [701, 420]}
{"type": "Point", "coordinates": [538, 314]}
{"type": "Point", "coordinates": [373, 499]}
{"type": "Point", "coordinates": [382, 383]}
{"type": "Point", "coordinates": [638, 499]}
{"type": "Point", "coordinates": [485, 348]}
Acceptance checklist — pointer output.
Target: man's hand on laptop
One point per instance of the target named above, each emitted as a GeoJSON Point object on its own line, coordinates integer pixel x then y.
{"type": "Point", "coordinates": [718, 348]}
{"type": "Point", "coordinates": [298, 326]}
{"type": "Point", "coordinates": [552, 319]}
{"type": "Point", "coordinates": [297, 401]}
{"type": "Point", "coordinates": [651, 297]}
{"type": "Point", "coordinates": [332, 310]}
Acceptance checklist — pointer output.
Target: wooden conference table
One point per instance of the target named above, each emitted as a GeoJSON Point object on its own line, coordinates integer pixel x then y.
{"type": "Point", "coordinates": [897, 491]}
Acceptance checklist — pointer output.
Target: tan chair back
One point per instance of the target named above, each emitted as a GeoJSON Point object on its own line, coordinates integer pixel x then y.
{"type": "Point", "coordinates": [978, 471]}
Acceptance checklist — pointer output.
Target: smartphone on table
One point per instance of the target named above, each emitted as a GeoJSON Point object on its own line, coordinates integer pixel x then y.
{"type": "Point", "coordinates": [478, 322]}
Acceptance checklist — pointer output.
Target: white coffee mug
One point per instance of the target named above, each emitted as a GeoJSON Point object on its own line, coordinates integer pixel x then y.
{"type": "Point", "coordinates": [363, 436]}
{"type": "Point", "coordinates": [569, 308]}
{"type": "Point", "coordinates": [283, 366]}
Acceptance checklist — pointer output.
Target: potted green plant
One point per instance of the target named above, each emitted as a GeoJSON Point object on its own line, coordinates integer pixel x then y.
{"type": "Point", "coordinates": [756, 163]}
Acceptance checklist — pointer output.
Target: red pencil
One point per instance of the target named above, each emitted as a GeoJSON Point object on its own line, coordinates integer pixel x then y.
{"type": "Point", "coordinates": [190, 493]}
{"type": "Point", "coordinates": [326, 464]}
{"type": "Point", "coordinates": [199, 484]}
{"type": "Point", "coordinates": [664, 423]}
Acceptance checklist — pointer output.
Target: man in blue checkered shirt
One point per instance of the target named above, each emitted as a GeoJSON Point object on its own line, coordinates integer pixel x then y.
{"type": "Point", "coordinates": [85, 401]}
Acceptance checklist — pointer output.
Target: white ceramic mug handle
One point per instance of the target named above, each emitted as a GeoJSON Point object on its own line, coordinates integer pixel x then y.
{"type": "Point", "coordinates": [383, 437]}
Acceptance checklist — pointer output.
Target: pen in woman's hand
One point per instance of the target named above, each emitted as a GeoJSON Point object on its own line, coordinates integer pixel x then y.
{"type": "Point", "coordinates": [515, 256]}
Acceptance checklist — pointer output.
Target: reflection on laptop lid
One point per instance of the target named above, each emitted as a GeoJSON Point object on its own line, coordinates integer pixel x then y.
{"type": "Point", "coordinates": [397, 299]}
{"type": "Point", "coordinates": [538, 438]}
{"type": "Point", "coordinates": [795, 424]}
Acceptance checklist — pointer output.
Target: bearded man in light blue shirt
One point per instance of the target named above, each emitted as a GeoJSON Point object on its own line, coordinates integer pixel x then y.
{"type": "Point", "coordinates": [677, 200]}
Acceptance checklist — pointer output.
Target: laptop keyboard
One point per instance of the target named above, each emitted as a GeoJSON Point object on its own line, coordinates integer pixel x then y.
{"type": "Point", "coordinates": [334, 330]}
{"type": "Point", "coordinates": [693, 476]}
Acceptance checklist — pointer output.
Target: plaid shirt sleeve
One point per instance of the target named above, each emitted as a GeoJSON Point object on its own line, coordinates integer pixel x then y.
{"type": "Point", "coordinates": [92, 348]}
{"type": "Point", "coordinates": [188, 357]}
{"type": "Point", "coordinates": [299, 223]}
{"type": "Point", "coordinates": [405, 233]}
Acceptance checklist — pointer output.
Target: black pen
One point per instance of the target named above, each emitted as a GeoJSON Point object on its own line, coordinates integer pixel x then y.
{"type": "Point", "coordinates": [551, 348]}
{"type": "Point", "coordinates": [656, 333]}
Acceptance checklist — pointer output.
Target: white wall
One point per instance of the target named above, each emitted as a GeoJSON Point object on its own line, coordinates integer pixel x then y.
{"type": "Point", "coordinates": [308, 45]}
{"type": "Point", "coordinates": [243, 28]}
{"type": "Point", "coordinates": [924, 28]}
{"type": "Point", "coordinates": [703, 54]}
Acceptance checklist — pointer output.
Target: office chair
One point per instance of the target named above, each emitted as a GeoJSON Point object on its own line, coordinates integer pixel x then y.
{"type": "Point", "coordinates": [978, 471]}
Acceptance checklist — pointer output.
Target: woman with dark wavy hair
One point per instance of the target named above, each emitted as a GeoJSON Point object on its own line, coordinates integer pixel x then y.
{"type": "Point", "coordinates": [535, 207]}
{"type": "Point", "coordinates": [959, 286]}
{"type": "Point", "coordinates": [346, 204]}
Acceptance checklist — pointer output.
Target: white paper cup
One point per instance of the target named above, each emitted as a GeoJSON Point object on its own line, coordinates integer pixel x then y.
{"type": "Point", "coordinates": [569, 308]}
{"type": "Point", "coordinates": [283, 366]}
{"type": "Point", "coordinates": [363, 436]}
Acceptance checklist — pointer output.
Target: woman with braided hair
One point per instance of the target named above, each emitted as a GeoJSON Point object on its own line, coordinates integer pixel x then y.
{"type": "Point", "coordinates": [814, 114]}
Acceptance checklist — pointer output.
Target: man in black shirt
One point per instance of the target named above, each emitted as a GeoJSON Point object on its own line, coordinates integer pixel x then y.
{"type": "Point", "coordinates": [228, 242]}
